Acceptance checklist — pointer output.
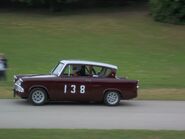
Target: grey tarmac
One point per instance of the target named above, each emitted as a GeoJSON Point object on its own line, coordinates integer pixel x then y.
{"type": "Point", "coordinates": [132, 114]}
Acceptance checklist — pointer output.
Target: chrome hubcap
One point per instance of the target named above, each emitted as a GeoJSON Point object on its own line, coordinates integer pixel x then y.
{"type": "Point", "coordinates": [38, 96]}
{"type": "Point", "coordinates": [112, 98]}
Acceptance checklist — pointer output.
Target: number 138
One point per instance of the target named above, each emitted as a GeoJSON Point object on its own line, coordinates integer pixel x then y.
{"type": "Point", "coordinates": [73, 88]}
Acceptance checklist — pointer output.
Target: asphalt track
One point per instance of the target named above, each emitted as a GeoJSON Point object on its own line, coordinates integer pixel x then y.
{"type": "Point", "coordinates": [153, 115]}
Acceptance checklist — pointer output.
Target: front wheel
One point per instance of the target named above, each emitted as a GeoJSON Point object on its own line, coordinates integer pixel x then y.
{"type": "Point", "coordinates": [38, 96]}
{"type": "Point", "coordinates": [112, 98]}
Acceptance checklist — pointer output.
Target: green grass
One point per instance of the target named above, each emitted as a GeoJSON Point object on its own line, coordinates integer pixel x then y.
{"type": "Point", "coordinates": [143, 49]}
{"type": "Point", "coordinates": [91, 134]}
{"type": "Point", "coordinates": [161, 94]}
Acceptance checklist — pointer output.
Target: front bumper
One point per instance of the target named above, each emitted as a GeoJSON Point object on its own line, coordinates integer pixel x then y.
{"type": "Point", "coordinates": [18, 90]}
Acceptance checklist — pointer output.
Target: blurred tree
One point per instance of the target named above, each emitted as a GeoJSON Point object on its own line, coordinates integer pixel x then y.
{"type": "Point", "coordinates": [56, 4]}
{"type": "Point", "coordinates": [171, 11]}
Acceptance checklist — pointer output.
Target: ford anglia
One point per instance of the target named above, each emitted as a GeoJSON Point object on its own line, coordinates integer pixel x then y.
{"type": "Point", "coordinates": [76, 80]}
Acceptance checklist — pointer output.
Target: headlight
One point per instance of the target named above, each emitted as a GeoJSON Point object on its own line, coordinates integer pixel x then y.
{"type": "Point", "coordinates": [18, 86]}
{"type": "Point", "coordinates": [19, 82]}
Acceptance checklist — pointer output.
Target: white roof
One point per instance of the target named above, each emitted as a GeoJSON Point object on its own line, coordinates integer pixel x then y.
{"type": "Point", "coordinates": [89, 63]}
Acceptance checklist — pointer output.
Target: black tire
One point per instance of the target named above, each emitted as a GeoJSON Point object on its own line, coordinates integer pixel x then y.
{"type": "Point", "coordinates": [38, 96]}
{"type": "Point", "coordinates": [112, 98]}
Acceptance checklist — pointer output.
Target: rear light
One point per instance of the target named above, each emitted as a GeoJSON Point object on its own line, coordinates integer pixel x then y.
{"type": "Point", "coordinates": [137, 84]}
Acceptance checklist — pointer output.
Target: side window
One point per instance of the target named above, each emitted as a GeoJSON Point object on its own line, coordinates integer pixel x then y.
{"type": "Point", "coordinates": [108, 72]}
{"type": "Point", "coordinates": [102, 72]}
{"type": "Point", "coordinates": [68, 70]}
{"type": "Point", "coordinates": [88, 71]}
{"type": "Point", "coordinates": [79, 70]}
{"type": "Point", "coordinates": [96, 71]}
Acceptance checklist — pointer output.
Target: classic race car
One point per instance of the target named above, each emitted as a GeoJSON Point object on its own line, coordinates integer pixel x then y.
{"type": "Point", "coordinates": [76, 80]}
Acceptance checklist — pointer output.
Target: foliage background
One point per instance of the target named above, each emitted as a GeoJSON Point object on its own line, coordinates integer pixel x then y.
{"type": "Point", "coordinates": [171, 11]}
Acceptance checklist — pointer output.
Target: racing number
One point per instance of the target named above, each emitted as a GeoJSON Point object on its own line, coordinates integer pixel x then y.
{"type": "Point", "coordinates": [82, 89]}
{"type": "Point", "coordinates": [73, 88]}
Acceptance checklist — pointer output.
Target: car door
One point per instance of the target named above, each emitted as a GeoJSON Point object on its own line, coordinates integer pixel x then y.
{"type": "Point", "coordinates": [85, 87]}
{"type": "Point", "coordinates": [76, 89]}
{"type": "Point", "coordinates": [73, 87]}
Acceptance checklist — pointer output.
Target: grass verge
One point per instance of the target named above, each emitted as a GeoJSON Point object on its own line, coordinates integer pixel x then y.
{"type": "Point", "coordinates": [91, 134]}
{"type": "Point", "coordinates": [5, 92]}
{"type": "Point", "coordinates": [161, 94]}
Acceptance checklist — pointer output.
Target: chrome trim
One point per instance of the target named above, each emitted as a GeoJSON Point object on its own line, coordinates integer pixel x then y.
{"type": "Point", "coordinates": [21, 80]}
{"type": "Point", "coordinates": [19, 88]}
{"type": "Point", "coordinates": [59, 74]}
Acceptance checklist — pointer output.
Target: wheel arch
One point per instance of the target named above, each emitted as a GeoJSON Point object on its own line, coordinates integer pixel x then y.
{"type": "Point", "coordinates": [39, 86]}
{"type": "Point", "coordinates": [112, 89]}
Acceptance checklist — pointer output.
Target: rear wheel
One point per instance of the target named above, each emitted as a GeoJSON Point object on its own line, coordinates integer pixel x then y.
{"type": "Point", "coordinates": [38, 96]}
{"type": "Point", "coordinates": [112, 98]}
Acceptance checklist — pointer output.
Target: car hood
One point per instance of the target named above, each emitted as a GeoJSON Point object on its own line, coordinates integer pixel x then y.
{"type": "Point", "coordinates": [39, 76]}
{"type": "Point", "coordinates": [35, 76]}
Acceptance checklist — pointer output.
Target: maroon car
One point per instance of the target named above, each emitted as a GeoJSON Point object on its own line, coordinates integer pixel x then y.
{"type": "Point", "coordinates": [76, 80]}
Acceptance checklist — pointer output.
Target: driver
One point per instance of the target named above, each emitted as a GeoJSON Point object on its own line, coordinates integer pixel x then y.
{"type": "Point", "coordinates": [78, 70]}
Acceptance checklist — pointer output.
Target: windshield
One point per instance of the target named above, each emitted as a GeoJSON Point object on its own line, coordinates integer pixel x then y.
{"type": "Point", "coordinates": [57, 69]}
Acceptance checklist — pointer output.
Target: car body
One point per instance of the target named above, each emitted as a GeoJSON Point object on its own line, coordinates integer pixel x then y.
{"type": "Point", "coordinates": [76, 80]}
